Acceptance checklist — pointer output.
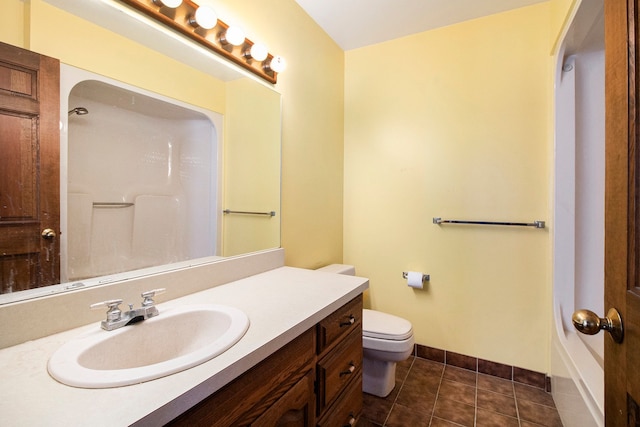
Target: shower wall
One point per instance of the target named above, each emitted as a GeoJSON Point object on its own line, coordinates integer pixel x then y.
{"type": "Point", "coordinates": [590, 179]}
{"type": "Point", "coordinates": [141, 182]}
{"type": "Point", "coordinates": [577, 360]}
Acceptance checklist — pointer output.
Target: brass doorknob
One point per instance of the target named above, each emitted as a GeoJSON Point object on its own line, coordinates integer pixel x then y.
{"type": "Point", "coordinates": [587, 322]}
{"type": "Point", "coordinates": [48, 234]}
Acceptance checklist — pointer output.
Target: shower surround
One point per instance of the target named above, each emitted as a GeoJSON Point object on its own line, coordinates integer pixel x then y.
{"type": "Point", "coordinates": [141, 182]}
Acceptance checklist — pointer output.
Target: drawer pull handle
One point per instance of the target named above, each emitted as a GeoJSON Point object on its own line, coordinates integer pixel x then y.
{"type": "Point", "coordinates": [349, 371]}
{"type": "Point", "coordinates": [349, 322]}
{"type": "Point", "coordinates": [352, 420]}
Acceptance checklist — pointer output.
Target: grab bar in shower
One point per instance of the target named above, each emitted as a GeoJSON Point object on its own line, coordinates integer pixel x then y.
{"type": "Point", "coordinates": [536, 224]}
{"type": "Point", "coordinates": [229, 211]}
{"type": "Point", "coordinates": [112, 205]}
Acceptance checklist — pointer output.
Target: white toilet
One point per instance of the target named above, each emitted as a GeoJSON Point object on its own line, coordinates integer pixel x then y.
{"type": "Point", "coordinates": [386, 340]}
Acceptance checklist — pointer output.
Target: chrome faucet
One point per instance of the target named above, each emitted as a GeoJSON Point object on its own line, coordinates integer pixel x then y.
{"type": "Point", "coordinates": [117, 319]}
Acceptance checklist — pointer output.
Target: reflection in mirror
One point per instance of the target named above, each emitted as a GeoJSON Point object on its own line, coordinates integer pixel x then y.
{"type": "Point", "coordinates": [142, 182]}
{"type": "Point", "coordinates": [247, 169]}
{"type": "Point", "coordinates": [252, 168]}
{"type": "Point", "coordinates": [182, 162]}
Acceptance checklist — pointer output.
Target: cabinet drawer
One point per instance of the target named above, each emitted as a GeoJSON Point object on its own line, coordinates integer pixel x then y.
{"type": "Point", "coordinates": [339, 323]}
{"type": "Point", "coordinates": [338, 368]}
{"type": "Point", "coordinates": [347, 408]}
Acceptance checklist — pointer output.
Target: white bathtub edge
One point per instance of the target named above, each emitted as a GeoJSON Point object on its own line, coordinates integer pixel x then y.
{"type": "Point", "coordinates": [577, 379]}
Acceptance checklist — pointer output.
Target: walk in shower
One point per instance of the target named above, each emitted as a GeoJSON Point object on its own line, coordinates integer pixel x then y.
{"type": "Point", "coordinates": [141, 179]}
{"type": "Point", "coordinates": [577, 360]}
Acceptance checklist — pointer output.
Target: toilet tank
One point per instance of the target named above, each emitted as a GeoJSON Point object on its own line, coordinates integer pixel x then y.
{"type": "Point", "coordinates": [349, 270]}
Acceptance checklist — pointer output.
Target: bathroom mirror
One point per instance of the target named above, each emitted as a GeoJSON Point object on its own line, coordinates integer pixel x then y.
{"type": "Point", "coordinates": [247, 153]}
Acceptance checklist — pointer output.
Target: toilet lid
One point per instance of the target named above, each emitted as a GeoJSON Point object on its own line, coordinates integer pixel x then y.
{"type": "Point", "coordinates": [376, 324]}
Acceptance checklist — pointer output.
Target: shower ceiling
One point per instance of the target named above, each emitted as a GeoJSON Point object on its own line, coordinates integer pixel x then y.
{"type": "Point", "coordinates": [357, 23]}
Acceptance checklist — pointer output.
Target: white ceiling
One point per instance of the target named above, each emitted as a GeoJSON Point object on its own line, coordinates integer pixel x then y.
{"type": "Point", "coordinates": [357, 23]}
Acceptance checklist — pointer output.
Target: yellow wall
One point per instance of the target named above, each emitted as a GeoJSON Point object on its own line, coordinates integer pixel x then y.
{"type": "Point", "coordinates": [454, 123]}
{"type": "Point", "coordinates": [312, 90]}
{"type": "Point", "coordinates": [12, 23]}
{"type": "Point", "coordinates": [251, 167]}
{"type": "Point", "coordinates": [84, 45]}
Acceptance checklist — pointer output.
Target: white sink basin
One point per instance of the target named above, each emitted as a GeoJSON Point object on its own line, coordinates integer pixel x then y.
{"type": "Point", "coordinates": [175, 340]}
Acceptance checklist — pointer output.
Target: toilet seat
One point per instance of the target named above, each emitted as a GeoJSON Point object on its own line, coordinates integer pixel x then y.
{"type": "Point", "coordinates": [384, 326]}
{"type": "Point", "coordinates": [392, 349]}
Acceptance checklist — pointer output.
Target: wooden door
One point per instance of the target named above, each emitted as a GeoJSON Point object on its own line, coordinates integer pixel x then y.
{"type": "Point", "coordinates": [29, 169]}
{"type": "Point", "coordinates": [622, 210]}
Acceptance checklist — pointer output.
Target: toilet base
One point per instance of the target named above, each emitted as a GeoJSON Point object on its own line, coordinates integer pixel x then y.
{"type": "Point", "coordinates": [378, 377]}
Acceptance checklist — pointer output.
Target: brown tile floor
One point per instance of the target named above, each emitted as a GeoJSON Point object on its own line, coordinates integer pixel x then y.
{"type": "Point", "coordinates": [432, 394]}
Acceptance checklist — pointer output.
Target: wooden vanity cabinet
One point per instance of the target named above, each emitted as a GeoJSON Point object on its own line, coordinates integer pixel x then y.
{"type": "Point", "coordinates": [276, 392]}
{"type": "Point", "coordinates": [339, 366]}
{"type": "Point", "coordinates": [314, 380]}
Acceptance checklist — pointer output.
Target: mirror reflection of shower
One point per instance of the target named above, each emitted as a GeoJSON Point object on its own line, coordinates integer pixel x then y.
{"type": "Point", "coordinates": [142, 185]}
{"type": "Point", "coordinates": [81, 111]}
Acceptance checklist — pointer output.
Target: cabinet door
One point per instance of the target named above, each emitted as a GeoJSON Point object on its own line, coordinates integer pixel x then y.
{"type": "Point", "coordinates": [346, 410]}
{"type": "Point", "coordinates": [248, 397]}
{"type": "Point", "coordinates": [294, 409]}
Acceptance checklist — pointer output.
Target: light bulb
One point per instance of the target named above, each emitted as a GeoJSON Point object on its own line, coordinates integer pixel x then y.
{"type": "Point", "coordinates": [206, 17]}
{"type": "Point", "coordinates": [259, 52]}
{"type": "Point", "coordinates": [168, 3]}
{"type": "Point", "coordinates": [277, 64]}
{"type": "Point", "coordinates": [234, 36]}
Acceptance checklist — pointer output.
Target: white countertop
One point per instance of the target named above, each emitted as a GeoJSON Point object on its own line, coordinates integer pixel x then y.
{"type": "Point", "coordinates": [281, 304]}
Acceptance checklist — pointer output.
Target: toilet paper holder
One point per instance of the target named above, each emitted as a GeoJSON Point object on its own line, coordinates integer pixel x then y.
{"type": "Point", "coordinates": [425, 277]}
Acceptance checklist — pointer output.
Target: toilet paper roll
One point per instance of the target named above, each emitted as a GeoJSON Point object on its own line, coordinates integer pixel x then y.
{"type": "Point", "coordinates": [414, 279]}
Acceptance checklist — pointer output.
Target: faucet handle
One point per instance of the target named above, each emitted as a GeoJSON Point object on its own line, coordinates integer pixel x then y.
{"type": "Point", "coordinates": [114, 312]}
{"type": "Point", "coordinates": [148, 296]}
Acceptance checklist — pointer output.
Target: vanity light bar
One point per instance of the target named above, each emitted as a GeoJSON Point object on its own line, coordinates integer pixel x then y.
{"type": "Point", "coordinates": [183, 19]}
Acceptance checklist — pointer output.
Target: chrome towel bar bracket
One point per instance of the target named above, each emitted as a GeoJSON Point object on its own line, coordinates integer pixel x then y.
{"type": "Point", "coordinates": [535, 224]}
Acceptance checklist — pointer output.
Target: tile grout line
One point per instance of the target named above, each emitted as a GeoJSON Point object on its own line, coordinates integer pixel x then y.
{"type": "Point", "coordinates": [515, 399]}
{"type": "Point", "coordinates": [395, 399]}
{"type": "Point", "coordinates": [477, 359]}
{"type": "Point", "coordinates": [435, 401]}
{"type": "Point", "coordinates": [475, 414]}
{"type": "Point", "coordinates": [513, 382]}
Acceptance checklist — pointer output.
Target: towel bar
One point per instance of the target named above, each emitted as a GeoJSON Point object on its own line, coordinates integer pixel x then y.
{"type": "Point", "coordinates": [229, 211]}
{"type": "Point", "coordinates": [536, 224]}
